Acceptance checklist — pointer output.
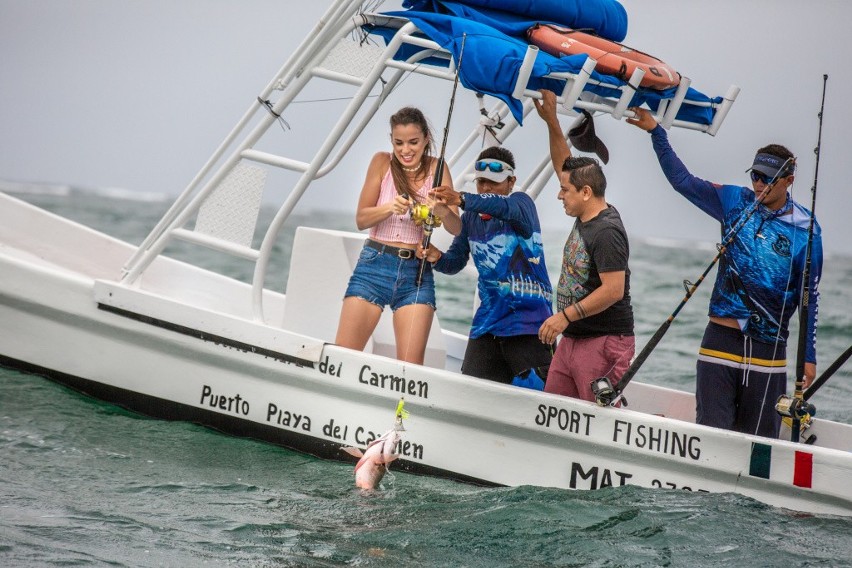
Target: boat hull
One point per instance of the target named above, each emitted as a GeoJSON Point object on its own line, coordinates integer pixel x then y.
{"type": "Point", "coordinates": [177, 360]}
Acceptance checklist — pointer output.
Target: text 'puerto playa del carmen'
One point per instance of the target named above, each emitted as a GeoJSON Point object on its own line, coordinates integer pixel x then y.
{"type": "Point", "coordinates": [278, 414]}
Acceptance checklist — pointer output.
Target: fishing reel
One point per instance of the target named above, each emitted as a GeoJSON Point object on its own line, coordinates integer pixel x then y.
{"type": "Point", "coordinates": [793, 407]}
{"type": "Point", "coordinates": [420, 214]}
{"type": "Point", "coordinates": [605, 393]}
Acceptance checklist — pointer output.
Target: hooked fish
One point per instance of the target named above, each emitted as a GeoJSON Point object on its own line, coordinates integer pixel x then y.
{"type": "Point", "coordinates": [373, 465]}
{"type": "Point", "coordinates": [374, 461]}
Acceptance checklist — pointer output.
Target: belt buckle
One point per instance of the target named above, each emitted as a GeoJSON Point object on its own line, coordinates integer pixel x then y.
{"type": "Point", "coordinates": [405, 253]}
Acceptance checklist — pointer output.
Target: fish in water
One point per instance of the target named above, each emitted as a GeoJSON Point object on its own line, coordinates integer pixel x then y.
{"type": "Point", "coordinates": [373, 462]}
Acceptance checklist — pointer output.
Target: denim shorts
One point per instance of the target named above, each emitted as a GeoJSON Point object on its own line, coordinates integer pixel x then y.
{"type": "Point", "coordinates": [385, 279]}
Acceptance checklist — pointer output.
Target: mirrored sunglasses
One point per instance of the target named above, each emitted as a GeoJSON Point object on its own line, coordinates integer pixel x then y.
{"type": "Point", "coordinates": [495, 167]}
{"type": "Point", "coordinates": [758, 176]}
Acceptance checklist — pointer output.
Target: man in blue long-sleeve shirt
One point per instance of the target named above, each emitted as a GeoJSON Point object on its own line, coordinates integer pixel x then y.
{"type": "Point", "coordinates": [501, 230]}
{"type": "Point", "coordinates": [741, 369]}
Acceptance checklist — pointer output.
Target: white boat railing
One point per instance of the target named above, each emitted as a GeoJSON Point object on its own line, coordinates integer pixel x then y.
{"type": "Point", "coordinates": [337, 13]}
{"type": "Point", "coordinates": [237, 183]}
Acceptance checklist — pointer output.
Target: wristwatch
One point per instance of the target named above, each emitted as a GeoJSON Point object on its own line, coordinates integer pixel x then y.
{"type": "Point", "coordinates": [461, 200]}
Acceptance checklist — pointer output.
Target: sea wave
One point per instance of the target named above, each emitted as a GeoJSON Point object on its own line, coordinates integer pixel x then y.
{"type": "Point", "coordinates": [65, 190]}
{"type": "Point", "coordinates": [31, 188]}
{"type": "Point", "coordinates": [683, 244]}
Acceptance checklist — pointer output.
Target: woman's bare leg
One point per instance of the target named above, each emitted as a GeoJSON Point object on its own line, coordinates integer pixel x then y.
{"type": "Point", "coordinates": [358, 320]}
{"type": "Point", "coordinates": [411, 325]}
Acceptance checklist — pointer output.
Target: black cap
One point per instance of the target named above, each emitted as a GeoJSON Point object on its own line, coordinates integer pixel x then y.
{"type": "Point", "coordinates": [583, 138]}
{"type": "Point", "coordinates": [771, 165]}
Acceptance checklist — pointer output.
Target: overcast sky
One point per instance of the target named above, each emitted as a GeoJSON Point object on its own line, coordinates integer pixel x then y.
{"type": "Point", "coordinates": [137, 94]}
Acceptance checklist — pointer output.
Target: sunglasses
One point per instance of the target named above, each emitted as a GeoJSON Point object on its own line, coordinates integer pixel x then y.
{"type": "Point", "coordinates": [758, 176]}
{"type": "Point", "coordinates": [495, 167]}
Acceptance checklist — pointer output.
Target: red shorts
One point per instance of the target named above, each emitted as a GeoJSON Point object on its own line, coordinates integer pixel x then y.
{"type": "Point", "coordinates": [578, 361]}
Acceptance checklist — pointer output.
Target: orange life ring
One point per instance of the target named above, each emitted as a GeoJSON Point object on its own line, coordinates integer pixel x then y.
{"type": "Point", "coordinates": [612, 57]}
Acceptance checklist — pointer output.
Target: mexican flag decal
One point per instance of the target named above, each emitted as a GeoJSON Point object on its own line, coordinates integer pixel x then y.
{"type": "Point", "coordinates": [761, 465]}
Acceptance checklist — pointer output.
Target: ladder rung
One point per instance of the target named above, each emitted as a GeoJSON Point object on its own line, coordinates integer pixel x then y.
{"type": "Point", "coordinates": [274, 160]}
{"type": "Point", "coordinates": [216, 244]}
{"type": "Point", "coordinates": [337, 76]}
{"type": "Point", "coordinates": [420, 69]}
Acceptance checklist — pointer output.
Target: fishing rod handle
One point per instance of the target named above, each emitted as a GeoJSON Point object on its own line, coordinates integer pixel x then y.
{"type": "Point", "coordinates": [427, 239]}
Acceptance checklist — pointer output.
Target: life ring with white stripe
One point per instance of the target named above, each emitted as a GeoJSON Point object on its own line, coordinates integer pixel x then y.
{"type": "Point", "coordinates": [612, 58]}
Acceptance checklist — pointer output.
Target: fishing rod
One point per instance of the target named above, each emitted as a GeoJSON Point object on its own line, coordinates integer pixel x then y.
{"type": "Point", "coordinates": [608, 395]}
{"type": "Point", "coordinates": [796, 408]}
{"type": "Point", "coordinates": [815, 386]}
{"type": "Point", "coordinates": [429, 222]}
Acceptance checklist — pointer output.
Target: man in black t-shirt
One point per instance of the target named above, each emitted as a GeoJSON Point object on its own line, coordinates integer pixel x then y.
{"type": "Point", "coordinates": [594, 315]}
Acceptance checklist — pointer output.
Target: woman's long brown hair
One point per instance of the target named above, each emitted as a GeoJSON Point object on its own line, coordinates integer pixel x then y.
{"type": "Point", "coordinates": [404, 116]}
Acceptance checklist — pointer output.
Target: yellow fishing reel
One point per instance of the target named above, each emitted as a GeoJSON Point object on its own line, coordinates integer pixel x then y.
{"type": "Point", "coordinates": [804, 422]}
{"type": "Point", "coordinates": [420, 214]}
{"type": "Point", "coordinates": [791, 407]}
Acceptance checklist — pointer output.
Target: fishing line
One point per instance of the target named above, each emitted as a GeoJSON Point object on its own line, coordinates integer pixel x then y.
{"type": "Point", "coordinates": [331, 100]}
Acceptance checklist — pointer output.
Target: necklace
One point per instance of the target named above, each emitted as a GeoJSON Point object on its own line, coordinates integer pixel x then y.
{"type": "Point", "coordinates": [414, 169]}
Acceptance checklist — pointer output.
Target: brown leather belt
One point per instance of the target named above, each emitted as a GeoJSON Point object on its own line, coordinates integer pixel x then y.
{"type": "Point", "coordinates": [403, 253]}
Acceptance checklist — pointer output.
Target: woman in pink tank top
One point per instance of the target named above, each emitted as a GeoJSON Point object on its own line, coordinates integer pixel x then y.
{"type": "Point", "coordinates": [387, 268]}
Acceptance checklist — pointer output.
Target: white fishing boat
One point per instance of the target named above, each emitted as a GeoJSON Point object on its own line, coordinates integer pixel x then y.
{"type": "Point", "coordinates": [172, 340]}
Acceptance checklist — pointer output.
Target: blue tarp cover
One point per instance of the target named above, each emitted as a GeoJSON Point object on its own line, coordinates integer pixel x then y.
{"type": "Point", "coordinates": [495, 48]}
{"type": "Point", "coordinates": [607, 18]}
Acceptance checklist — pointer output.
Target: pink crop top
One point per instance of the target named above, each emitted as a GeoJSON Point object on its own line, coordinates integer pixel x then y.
{"type": "Point", "coordinates": [398, 228]}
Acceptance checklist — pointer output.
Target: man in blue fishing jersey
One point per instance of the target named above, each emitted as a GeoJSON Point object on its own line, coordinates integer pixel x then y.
{"type": "Point", "coordinates": [741, 369]}
{"type": "Point", "coordinates": [501, 230]}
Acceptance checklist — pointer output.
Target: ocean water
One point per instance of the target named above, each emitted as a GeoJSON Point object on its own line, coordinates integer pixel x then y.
{"type": "Point", "coordinates": [85, 483]}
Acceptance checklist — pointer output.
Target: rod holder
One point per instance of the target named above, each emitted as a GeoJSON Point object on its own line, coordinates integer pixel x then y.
{"type": "Point", "coordinates": [574, 86]}
{"type": "Point", "coordinates": [674, 105]}
{"type": "Point", "coordinates": [723, 109]}
{"type": "Point", "coordinates": [525, 71]}
{"type": "Point", "coordinates": [627, 93]}
{"type": "Point", "coordinates": [661, 109]}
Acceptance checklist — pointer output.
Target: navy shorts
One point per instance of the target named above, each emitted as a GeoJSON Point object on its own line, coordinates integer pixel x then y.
{"type": "Point", "coordinates": [739, 381]}
{"type": "Point", "coordinates": [385, 279]}
{"type": "Point", "coordinates": [501, 358]}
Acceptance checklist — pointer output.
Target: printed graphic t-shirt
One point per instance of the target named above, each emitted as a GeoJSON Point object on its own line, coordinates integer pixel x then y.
{"type": "Point", "coordinates": [503, 235]}
{"type": "Point", "coordinates": [598, 245]}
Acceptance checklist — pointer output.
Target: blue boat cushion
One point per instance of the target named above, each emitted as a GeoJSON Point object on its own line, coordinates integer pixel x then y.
{"type": "Point", "coordinates": [607, 18]}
